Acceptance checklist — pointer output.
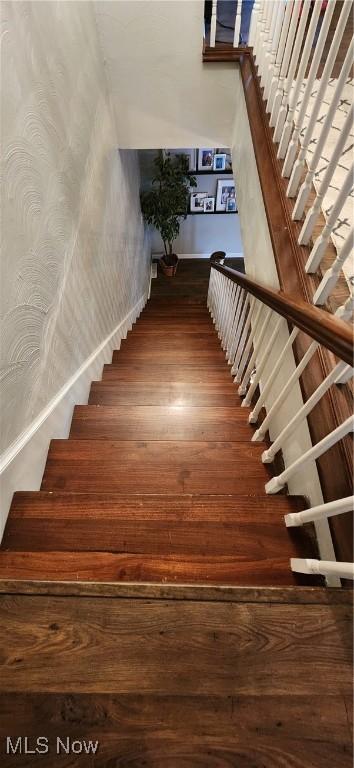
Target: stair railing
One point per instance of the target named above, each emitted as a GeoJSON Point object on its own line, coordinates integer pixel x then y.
{"type": "Point", "coordinates": [248, 318]}
{"type": "Point", "coordinates": [235, 24]}
{"type": "Point", "coordinates": [296, 72]}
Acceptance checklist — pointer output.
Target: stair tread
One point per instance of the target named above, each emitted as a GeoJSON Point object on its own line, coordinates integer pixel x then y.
{"type": "Point", "coordinates": [109, 392]}
{"type": "Point", "coordinates": [163, 372]}
{"type": "Point", "coordinates": [180, 356]}
{"type": "Point", "coordinates": [155, 466]}
{"type": "Point", "coordinates": [108, 566]}
{"type": "Point", "coordinates": [154, 422]}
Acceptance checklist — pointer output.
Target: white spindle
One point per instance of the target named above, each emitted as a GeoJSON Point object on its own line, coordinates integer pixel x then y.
{"type": "Point", "coordinates": [303, 412]}
{"type": "Point", "coordinates": [258, 340]}
{"type": "Point", "coordinates": [213, 24]}
{"type": "Point", "coordinates": [313, 160]}
{"type": "Point", "coordinates": [299, 119]}
{"type": "Point", "coordinates": [322, 567]}
{"type": "Point", "coordinates": [318, 101]}
{"type": "Point", "coordinates": [259, 28]}
{"type": "Point", "coordinates": [268, 44]}
{"type": "Point", "coordinates": [254, 22]}
{"type": "Point", "coordinates": [280, 53]}
{"type": "Point", "coordinates": [238, 24]}
{"type": "Point", "coordinates": [263, 35]}
{"type": "Point", "coordinates": [294, 95]}
{"type": "Point", "coordinates": [330, 278]}
{"type": "Point", "coordinates": [261, 365]}
{"type": "Point", "coordinates": [263, 57]}
{"type": "Point", "coordinates": [233, 313]}
{"type": "Point", "coordinates": [346, 310]}
{"type": "Point", "coordinates": [291, 72]}
{"type": "Point", "coordinates": [244, 310]}
{"type": "Point", "coordinates": [260, 433]}
{"type": "Point", "coordinates": [275, 35]}
{"type": "Point", "coordinates": [285, 63]}
{"type": "Point", "coordinates": [277, 483]}
{"type": "Point", "coordinates": [236, 328]}
{"type": "Point", "coordinates": [320, 245]}
{"type": "Point", "coordinates": [320, 512]}
{"type": "Point", "coordinates": [250, 308]}
{"type": "Point", "coordinates": [253, 318]}
{"type": "Point", "coordinates": [270, 381]}
{"type": "Point", "coordinates": [314, 211]}
{"type": "Point", "coordinates": [344, 377]}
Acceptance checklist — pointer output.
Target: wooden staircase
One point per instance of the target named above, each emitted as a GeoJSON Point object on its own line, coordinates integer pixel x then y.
{"type": "Point", "coordinates": [158, 481]}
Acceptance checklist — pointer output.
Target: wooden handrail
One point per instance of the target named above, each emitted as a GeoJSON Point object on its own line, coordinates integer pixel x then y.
{"type": "Point", "coordinates": [328, 330]}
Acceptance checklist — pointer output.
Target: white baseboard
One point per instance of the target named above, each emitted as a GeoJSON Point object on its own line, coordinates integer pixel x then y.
{"type": "Point", "coordinates": [22, 465]}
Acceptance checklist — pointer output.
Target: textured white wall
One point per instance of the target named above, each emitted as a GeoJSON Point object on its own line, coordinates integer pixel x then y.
{"type": "Point", "coordinates": [164, 96]}
{"type": "Point", "coordinates": [74, 260]}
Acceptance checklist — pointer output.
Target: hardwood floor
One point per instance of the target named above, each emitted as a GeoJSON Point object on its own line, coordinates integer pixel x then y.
{"type": "Point", "coordinates": [177, 683]}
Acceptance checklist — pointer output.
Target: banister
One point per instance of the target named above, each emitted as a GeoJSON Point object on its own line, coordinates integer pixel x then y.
{"type": "Point", "coordinates": [326, 329]}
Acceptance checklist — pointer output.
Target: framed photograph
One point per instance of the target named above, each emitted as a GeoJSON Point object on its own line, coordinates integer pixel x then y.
{"type": "Point", "coordinates": [205, 159]}
{"type": "Point", "coordinates": [226, 191]}
{"type": "Point", "coordinates": [231, 205]}
{"type": "Point", "coordinates": [190, 153]}
{"type": "Point", "coordinates": [197, 201]}
{"type": "Point", "coordinates": [219, 162]}
{"type": "Point", "coordinates": [225, 151]}
{"type": "Point", "coordinates": [209, 204]}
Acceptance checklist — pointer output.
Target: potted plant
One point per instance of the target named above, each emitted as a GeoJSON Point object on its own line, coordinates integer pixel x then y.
{"type": "Point", "coordinates": [166, 203]}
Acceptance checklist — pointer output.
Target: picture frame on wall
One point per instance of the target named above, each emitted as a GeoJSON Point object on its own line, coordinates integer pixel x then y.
{"type": "Point", "coordinates": [225, 191]}
{"type": "Point", "coordinates": [197, 201]}
{"type": "Point", "coordinates": [219, 163]}
{"type": "Point", "coordinates": [231, 205]}
{"type": "Point", "coordinates": [209, 204]}
{"type": "Point", "coordinates": [191, 154]}
{"type": "Point", "coordinates": [225, 151]}
{"type": "Point", "coordinates": [205, 159]}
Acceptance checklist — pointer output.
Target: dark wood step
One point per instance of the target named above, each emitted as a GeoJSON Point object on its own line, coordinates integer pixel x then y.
{"type": "Point", "coordinates": [178, 341]}
{"type": "Point", "coordinates": [183, 569]}
{"type": "Point", "coordinates": [204, 525]}
{"type": "Point", "coordinates": [175, 325]}
{"type": "Point", "coordinates": [149, 374]}
{"type": "Point", "coordinates": [153, 422]}
{"type": "Point", "coordinates": [155, 467]}
{"type": "Point", "coordinates": [169, 355]}
{"type": "Point", "coordinates": [109, 392]}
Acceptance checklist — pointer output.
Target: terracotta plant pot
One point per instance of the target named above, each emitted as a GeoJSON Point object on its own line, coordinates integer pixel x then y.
{"type": "Point", "coordinates": [169, 265]}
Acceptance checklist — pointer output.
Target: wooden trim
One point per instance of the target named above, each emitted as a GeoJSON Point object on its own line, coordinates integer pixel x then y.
{"type": "Point", "coordinates": [200, 592]}
{"type": "Point", "coordinates": [290, 259]}
{"type": "Point", "coordinates": [327, 329]}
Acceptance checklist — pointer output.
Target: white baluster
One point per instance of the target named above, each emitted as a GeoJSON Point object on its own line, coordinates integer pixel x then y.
{"type": "Point", "coordinates": [277, 483]}
{"type": "Point", "coordinates": [263, 35]}
{"type": "Point", "coordinates": [257, 29]}
{"type": "Point", "coordinates": [278, 402]}
{"type": "Point", "coordinates": [254, 22]}
{"type": "Point", "coordinates": [299, 119]}
{"type": "Point", "coordinates": [292, 69]}
{"type": "Point", "coordinates": [345, 376]}
{"type": "Point", "coordinates": [346, 310]}
{"type": "Point", "coordinates": [295, 92]}
{"type": "Point", "coordinates": [320, 512]}
{"type": "Point", "coordinates": [322, 567]}
{"type": "Point", "coordinates": [271, 378]}
{"type": "Point", "coordinates": [261, 365]}
{"type": "Point", "coordinates": [235, 300]}
{"type": "Point", "coordinates": [280, 54]}
{"type": "Point", "coordinates": [254, 324]}
{"type": "Point", "coordinates": [268, 43]}
{"type": "Point", "coordinates": [213, 24]}
{"type": "Point", "coordinates": [320, 245]}
{"type": "Point", "coordinates": [318, 101]}
{"type": "Point", "coordinates": [256, 346]}
{"type": "Point", "coordinates": [238, 24]}
{"type": "Point", "coordinates": [285, 63]}
{"type": "Point", "coordinates": [263, 63]}
{"type": "Point", "coordinates": [238, 326]}
{"type": "Point", "coordinates": [249, 307]}
{"type": "Point", "coordinates": [330, 278]}
{"type": "Point", "coordinates": [314, 211]}
{"type": "Point", "coordinates": [275, 31]}
{"type": "Point", "coordinates": [313, 161]}
{"type": "Point", "coordinates": [303, 412]}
